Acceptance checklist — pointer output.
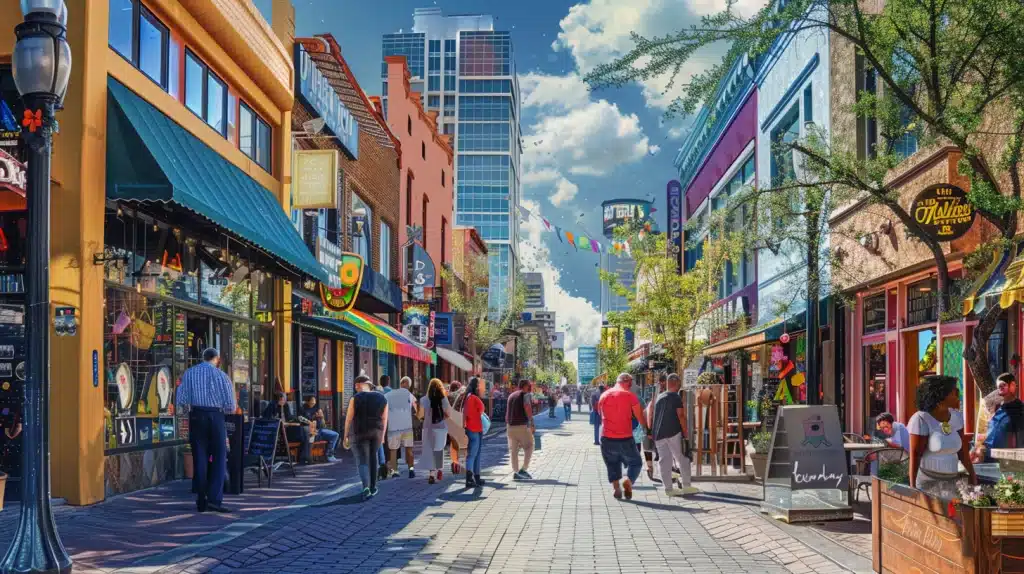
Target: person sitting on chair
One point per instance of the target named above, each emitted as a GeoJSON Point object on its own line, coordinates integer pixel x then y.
{"type": "Point", "coordinates": [295, 430]}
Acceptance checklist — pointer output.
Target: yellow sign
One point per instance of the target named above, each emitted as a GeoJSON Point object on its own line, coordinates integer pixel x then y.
{"type": "Point", "coordinates": [315, 183]}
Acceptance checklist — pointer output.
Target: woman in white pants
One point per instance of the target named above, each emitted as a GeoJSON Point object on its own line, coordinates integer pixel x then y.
{"type": "Point", "coordinates": [435, 409]}
{"type": "Point", "coordinates": [669, 422]}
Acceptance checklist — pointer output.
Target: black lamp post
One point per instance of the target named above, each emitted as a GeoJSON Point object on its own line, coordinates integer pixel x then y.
{"type": "Point", "coordinates": [42, 65]}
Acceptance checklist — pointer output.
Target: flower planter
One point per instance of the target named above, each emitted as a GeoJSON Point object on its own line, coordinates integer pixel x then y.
{"type": "Point", "coordinates": [1007, 523]}
{"type": "Point", "coordinates": [759, 461]}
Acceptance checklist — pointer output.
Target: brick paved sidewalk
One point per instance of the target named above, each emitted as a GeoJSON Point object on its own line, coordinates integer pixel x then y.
{"type": "Point", "coordinates": [561, 522]}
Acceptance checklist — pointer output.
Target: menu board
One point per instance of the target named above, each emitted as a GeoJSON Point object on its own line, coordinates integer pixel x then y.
{"type": "Point", "coordinates": [308, 365]}
{"type": "Point", "coordinates": [263, 437]}
{"type": "Point", "coordinates": [807, 449]}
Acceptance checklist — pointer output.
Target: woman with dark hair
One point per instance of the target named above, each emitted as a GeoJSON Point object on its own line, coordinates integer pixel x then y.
{"type": "Point", "coordinates": [937, 438]}
{"type": "Point", "coordinates": [472, 412]}
{"type": "Point", "coordinates": [434, 409]}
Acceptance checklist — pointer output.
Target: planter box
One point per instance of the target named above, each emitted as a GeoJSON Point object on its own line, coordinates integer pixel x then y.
{"type": "Point", "coordinates": [914, 532]}
{"type": "Point", "coordinates": [759, 461]}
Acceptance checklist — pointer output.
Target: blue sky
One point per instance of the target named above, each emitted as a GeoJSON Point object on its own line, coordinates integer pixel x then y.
{"type": "Point", "coordinates": [581, 148]}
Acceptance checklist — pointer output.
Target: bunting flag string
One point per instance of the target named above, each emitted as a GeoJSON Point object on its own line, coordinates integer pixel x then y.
{"type": "Point", "coordinates": [579, 242]}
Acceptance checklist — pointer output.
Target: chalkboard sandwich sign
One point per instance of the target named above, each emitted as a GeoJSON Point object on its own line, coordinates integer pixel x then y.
{"type": "Point", "coordinates": [807, 479]}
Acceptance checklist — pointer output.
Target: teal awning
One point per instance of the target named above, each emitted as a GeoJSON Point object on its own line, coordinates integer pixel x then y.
{"type": "Point", "coordinates": [326, 327]}
{"type": "Point", "coordinates": [151, 158]}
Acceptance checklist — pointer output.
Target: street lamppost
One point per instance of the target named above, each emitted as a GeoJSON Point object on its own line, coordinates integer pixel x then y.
{"type": "Point", "coordinates": [42, 65]}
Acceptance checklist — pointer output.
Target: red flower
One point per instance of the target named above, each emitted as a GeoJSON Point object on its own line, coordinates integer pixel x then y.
{"type": "Point", "coordinates": [951, 509]}
{"type": "Point", "coordinates": [32, 120]}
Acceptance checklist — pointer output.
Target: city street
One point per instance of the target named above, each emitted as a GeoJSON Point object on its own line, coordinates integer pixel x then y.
{"type": "Point", "coordinates": [564, 521]}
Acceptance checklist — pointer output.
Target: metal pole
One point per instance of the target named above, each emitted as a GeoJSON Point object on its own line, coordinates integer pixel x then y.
{"type": "Point", "coordinates": [36, 546]}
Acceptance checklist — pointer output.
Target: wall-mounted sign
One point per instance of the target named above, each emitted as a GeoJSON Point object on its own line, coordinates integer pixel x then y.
{"type": "Point", "coordinates": [675, 222]}
{"type": "Point", "coordinates": [65, 322]}
{"type": "Point", "coordinates": [443, 327]}
{"type": "Point", "coordinates": [350, 274]}
{"type": "Point", "coordinates": [12, 173]}
{"type": "Point", "coordinates": [619, 211]}
{"type": "Point", "coordinates": [315, 183]}
{"type": "Point", "coordinates": [329, 256]}
{"type": "Point", "coordinates": [320, 95]}
{"type": "Point", "coordinates": [416, 323]}
{"type": "Point", "coordinates": [943, 212]}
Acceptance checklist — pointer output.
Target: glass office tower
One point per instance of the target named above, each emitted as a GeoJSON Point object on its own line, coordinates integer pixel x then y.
{"type": "Point", "coordinates": [465, 70]}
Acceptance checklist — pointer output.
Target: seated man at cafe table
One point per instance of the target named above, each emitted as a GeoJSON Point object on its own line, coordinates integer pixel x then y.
{"type": "Point", "coordinates": [313, 413]}
{"type": "Point", "coordinates": [893, 433]}
{"type": "Point", "coordinates": [295, 430]}
{"type": "Point", "coordinates": [1006, 429]}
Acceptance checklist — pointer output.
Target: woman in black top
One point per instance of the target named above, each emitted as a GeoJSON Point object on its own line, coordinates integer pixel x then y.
{"type": "Point", "coordinates": [365, 421]}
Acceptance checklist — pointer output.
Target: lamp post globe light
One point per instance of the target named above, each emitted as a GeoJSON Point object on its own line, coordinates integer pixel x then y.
{"type": "Point", "coordinates": [41, 65]}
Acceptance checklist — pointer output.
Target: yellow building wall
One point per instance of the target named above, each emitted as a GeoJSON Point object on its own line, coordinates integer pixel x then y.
{"type": "Point", "coordinates": [247, 54]}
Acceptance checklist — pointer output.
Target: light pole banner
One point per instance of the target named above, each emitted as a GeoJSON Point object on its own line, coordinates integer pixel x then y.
{"type": "Point", "coordinates": [675, 222]}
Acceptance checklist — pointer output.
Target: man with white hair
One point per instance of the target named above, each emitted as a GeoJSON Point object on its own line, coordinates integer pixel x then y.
{"type": "Point", "coordinates": [401, 408]}
{"type": "Point", "coordinates": [618, 406]}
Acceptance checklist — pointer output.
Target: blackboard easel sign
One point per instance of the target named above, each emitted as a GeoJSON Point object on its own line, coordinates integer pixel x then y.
{"type": "Point", "coordinates": [265, 436]}
{"type": "Point", "coordinates": [807, 479]}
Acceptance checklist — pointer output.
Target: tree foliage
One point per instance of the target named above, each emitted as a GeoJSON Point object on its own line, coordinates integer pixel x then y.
{"type": "Point", "coordinates": [469, 296]}
{"type": "Point", "coordinates": [949, 72]}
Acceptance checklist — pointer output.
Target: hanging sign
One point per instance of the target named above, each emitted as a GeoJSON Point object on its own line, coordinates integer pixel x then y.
{"type": "Point", "coordinates": [350, 274]}
{"type": "Point", "coordinates": [943, 212]}
{"type": "Point", "coordinates": [315, 181]}
{"type": "Point", "coordinates": [421, 269]}
{"type": "Point", "coordinates": [675, 222]}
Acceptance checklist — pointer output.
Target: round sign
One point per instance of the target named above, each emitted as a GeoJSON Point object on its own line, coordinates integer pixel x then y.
{"type": "Point", "coordinates": [163, 387]}
{"type": "Point", "coordinates": [943, 212]}
{"type": "Point", "coordinates": [125, 386]}
{"type": "Point", "coordinates": [784, 338]}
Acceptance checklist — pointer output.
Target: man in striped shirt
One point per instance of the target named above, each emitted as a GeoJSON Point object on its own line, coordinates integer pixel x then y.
{"type": "Point", "coordinates": [208, 394]}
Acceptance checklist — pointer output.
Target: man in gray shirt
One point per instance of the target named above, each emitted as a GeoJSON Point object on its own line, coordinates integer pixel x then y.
{"type": "Point", "coordinates": [667, 430]}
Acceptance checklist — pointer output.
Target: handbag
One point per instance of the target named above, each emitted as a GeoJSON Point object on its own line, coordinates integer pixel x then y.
{"type": "Point", "coordinates": [122, 323]}
{"type": "Point", "coordinates": [143, 331]}
{"type": "Point", "coordinates": [638, 434]}
{"type": "Point", "coordinates": [485, 422]}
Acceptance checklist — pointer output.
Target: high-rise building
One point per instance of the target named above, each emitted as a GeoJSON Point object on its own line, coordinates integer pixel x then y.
{"type": "Point", "coordinates": [534, 285]}
{"type": "Point", "coordinates": [586, 364]}
{"type": "Point", "coordinates": [464, 69]}
{"type": "Point", "coordinates": [546, 319]}
{"type": "Point", "coordinates": [616, 212]}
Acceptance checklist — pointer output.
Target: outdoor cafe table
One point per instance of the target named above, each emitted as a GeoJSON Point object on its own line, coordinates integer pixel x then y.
{"type": "Point", "coordinates": [861, 447]}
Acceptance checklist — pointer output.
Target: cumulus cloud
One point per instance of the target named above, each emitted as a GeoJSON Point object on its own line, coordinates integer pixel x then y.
{"type": "Point", "coordinates": [565, 191]}
{"type": "Point", "coordinates": [581, 320]}
{"type": "Point", "coordinates": [598, 32]}
{"type": "Point", "coordinates": [539, 90]}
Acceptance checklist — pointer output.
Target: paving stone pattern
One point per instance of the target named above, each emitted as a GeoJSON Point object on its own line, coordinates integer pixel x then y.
{"type": "Point", "coordinates": [566, 520]}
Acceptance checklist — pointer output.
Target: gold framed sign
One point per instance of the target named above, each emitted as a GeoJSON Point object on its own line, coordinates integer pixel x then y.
{"type": "Point", "coordinates": [315, 179]}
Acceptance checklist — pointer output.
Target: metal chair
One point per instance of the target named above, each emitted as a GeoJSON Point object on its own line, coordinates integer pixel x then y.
{"type": "Point", "coordinates": [853, 437]}
{"type": "Point", "coordinates": [868, 467]}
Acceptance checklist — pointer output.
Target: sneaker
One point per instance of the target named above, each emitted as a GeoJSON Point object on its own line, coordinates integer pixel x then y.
{"type": "Point", "coordinates": [627, 489]}
{"type": "Point", "coordinates": [366, 493]}
{"type": "Point", "coordinates": [525, 475]}
{"type": "Point", "coordinates": [332, 458]}
{"type": "Point", "coordinates": [479, 481]}
{"type": "Point", "coordinates": [412, 473]}
{"type": "Point", "coordinates": [673, 492]}
{"type": "Point", "coordinates": [690, 490]}
{"type": "Point", "coordinates": [373, 491]}
{"type": "Point", "coordinates": [517, 476]}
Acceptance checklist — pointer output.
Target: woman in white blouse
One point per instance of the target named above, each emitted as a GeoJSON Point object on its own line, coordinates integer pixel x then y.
{"type": "Point", "coordinates": [937, 438]}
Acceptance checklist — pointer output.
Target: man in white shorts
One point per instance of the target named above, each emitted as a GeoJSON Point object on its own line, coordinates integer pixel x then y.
{"type": "Point", "coordinates": [401, 409]}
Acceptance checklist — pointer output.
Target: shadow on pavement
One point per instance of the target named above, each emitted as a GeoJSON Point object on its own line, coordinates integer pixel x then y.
{"type": "Point", "coordinates": [543, 482]}
{"type": "Point", "coordinates": [729, 497]}
{"type": "Point", "coordinates": [668, 507]}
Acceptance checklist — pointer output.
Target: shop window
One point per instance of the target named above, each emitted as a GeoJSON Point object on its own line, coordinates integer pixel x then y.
{"type": "Point", "coordinates": [263, 289]}
{"type": "Point", "coordinates": [149, 257]}
{"type": "Point", "coordinates": [362, 230]}
{"type": "Point", "coordinates": [997, 345]}
{"type": "Point", "coordinates": [225, 280]}
{"type": "Point", "coordinates": [241, 354]}
{"type": "Point", "coordinates": [139, 369]}
{"type": "Point", "coordinates": [205, 93]}
{"type": "Point", "coordinates": [922, 302]}
{"type": "Point", "coordinates": [927, 353]}
{"type": "Point", "coordinates": [875, 381]}
{"type": "Point", "coordinates": [385, 250]}
{"type": "Point", "coordinates": [874, 313]}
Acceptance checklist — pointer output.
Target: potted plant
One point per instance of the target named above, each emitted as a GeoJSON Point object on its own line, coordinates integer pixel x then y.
{"type": "Point", "coordinates": [896, 472]}
{"type": "Point", "coordinates": [752, 414]}
{"type": "Point", "coordinates": [760, 441]}
{"type": "Point", "coordinates": [1008, 519]}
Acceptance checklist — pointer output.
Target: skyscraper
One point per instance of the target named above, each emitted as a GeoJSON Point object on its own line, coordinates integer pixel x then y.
{"type": "Point", "coordinates": [616, 212]}
{"type": "Point", "coordinates": [465, 70]}
{"type": "Point", "coordinates": [534, 285]}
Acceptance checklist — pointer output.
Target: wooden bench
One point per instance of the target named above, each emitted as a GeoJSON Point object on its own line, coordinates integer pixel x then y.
{"type": "Point", "coordinates": [317, 450]}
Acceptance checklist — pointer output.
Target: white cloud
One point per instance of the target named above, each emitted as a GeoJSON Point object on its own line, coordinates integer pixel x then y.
{"type": "Point", "coordinates": [581, 320]}
{"type": "Point", "coordinates": [539, 90]}
{"type": "Point", "coordinates": [654, 149]}
{"type": "Point", "coordinates": [599, 31]}
{"type": "Point", "coordinates": [564, 191]}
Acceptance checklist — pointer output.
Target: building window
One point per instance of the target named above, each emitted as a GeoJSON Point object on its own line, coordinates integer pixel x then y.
{"type": "Point", "coordinates": [922, 302]}
{"type": "Point", "coordinates": [254, 137]}
{"type": "Point", "coordinates": [362, 229]}
{"type": "Point", "coordinates": [385, 250]}
{"type": "Point", "coordinates": [205, 94]}
{"type": "Point", "coordinates": [423, 150]}
{"type": "Point", "coordinates": [433, 102]}
{"type": "Point", "coordinates": [426, 202]}
{"type": "Point", "coordinates": [408, 198]}
{"type": "Point", "coordinates": [434, 83]}
{"type": "Point", "coordinates": [808, 105]}
{"type": "Point", "coordinates": [153, 37]}
{"type": "Point", "coordinates": [409, 124]}
{"type": "Point", "coordinates": [786, 132]}
{"type": "Point", "coordinates": [442, 178]}
{"type": "Point", "coordinates": [121, 27]}
{"type": "Point", "coordinates": [874, 314]}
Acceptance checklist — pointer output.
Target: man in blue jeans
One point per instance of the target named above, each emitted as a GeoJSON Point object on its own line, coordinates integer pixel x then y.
{"type": "Point", "coordinates": [595, 417]}
{"type": "Point", "coordinates": [315, 414]}
{"type": "Point", "coordinates": [618, 406]}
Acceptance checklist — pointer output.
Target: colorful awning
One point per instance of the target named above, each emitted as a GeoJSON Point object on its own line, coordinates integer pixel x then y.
{"type": "Point", "coordinates": [389, 339]}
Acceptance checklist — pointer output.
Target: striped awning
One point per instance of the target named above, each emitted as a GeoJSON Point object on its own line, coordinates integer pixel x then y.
{"type": "Point", "coordinates": [389, 339]}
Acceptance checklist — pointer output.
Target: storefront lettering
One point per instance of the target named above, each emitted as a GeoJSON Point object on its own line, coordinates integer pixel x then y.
{"type": "Point", "coordinates": [800, 478]}
{"type": "Point", "coordinates": [319, 94]}
{"type": "Point", "coordinates": [943, 212]}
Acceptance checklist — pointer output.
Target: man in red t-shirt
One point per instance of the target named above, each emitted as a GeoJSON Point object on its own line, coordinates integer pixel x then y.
{"type": "Point", "coordinates": [618, 406]}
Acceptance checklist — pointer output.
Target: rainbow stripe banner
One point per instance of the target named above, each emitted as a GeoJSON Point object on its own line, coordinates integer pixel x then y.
{"type": "Point", "coordinates": [389, 339]}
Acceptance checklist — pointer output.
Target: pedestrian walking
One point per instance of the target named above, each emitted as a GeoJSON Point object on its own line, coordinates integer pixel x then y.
{"type": "Point", "coordinates": [383, 387]}
{"type": "Point", "coordinates": [473, 413]}
{"type": "Point", "coordinates": [552, 402]}
{"type": "Point", "coordinates": [519, 428]}
{"type": "Point", "coordinates": [618, 407]}
{"type": "Point", "coordinates": [595, 417]}
{"type": "Point", "coordinates": [669, 434]}
{"type": "Point", "coordinates": [402, 407]}
{"type": "Point", "coordinates": [434, 409]}
{"type": "Point", "coordinates": [206, 393]}
{"type": "Point", "coordinates": [567, 405]}
{"type": "Point", "coordinates": [457, 438]}
{"type": "Point", "coordinates": [650, 451]}
{"type": "Point", "coordinates": [579, 400]}
{"type": "Point", "coordinates": [365, 421]}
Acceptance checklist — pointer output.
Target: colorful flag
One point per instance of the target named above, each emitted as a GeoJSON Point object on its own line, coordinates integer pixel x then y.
{"type": "Point", "coordinates": [583, 242]}
{"type": "Point", "coordinates": [595, 246]}
{"type": "Point", "coordinates": [546, 223]}
{"type": "Point", "coordinates": [558, 232]}
{"type": "Point", "coordinates": [523, 212]}
{"type": "Point", "coordinates": [572, 240]}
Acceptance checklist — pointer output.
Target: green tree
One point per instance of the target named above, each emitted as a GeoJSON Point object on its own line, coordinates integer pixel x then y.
{"type": "Point", "coordinates": [469, 296]}
{"type": "Point", "coordinates": [949, 73]}
{"type": "Point", "coordinates": [664, 306]}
